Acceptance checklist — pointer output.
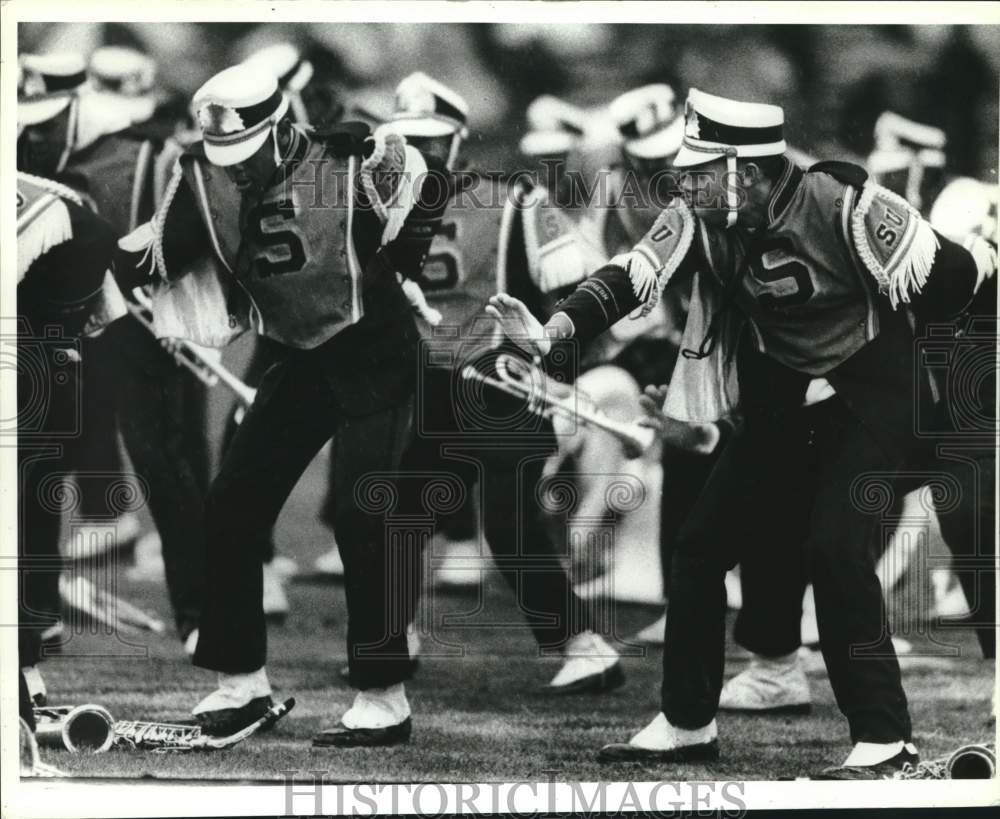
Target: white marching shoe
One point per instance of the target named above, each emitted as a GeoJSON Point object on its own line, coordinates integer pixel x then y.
{"type": "Point", "coordinates": [275, 601]}
{"type": "Point", "coordinates": [660, 741]}
{"type": "Point", "coordinates": [653, 634]}
{"type": "Point", "coordinates": [239, 701]}
{"type": "Point", "coordinates": [379, 717]}
{"type": "Point", "coordinates": [591, 666]}
{"type": "Point", "coordinates": [769, 686]}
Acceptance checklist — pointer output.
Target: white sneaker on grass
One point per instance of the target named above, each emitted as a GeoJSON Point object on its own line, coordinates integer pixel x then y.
{"type": "Point", "coordinates": [769, 686]}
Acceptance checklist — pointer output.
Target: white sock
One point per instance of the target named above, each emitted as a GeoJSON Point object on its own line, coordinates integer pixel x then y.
{"type": "Point", "coordinates": [378, 708]}
{"type": "Point", "coordinates": [34, 681]}
{"type": "Point", "coordinates": [235, 691]}
{"type": "Point", "coordinates": [872, 753]}
{"type": "Point", "coordinates": [661, 735]}
{"type": "Point", "coordinates": [785, 662]}
{"type": "Point", "coordinates": [590, 644]}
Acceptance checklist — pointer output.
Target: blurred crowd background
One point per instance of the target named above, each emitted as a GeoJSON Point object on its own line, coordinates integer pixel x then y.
{"type": "Point", "coordinates": [833, 81]}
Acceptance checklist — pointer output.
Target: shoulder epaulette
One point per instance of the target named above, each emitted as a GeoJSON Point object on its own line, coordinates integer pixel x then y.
{"type": "Point", "coordinates": [558, 254]}
{"type": "Point", "coordinates": [658, 255]}
{"type": "Point", "coordinates": [846, 172]}
{"type": "Point", "coordinates": [893, 242]}
{"type": "Point", "coordinates": [43, 219]}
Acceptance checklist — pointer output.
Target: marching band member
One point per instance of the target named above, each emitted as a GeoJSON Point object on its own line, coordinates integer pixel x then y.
{"type": "Point", "coordinates": [136, 381]}
{"type": "Point", "coordinates": [803, 275]}
{"type": "Point", "coordinates": [295, 224]}
{"type": "Point", "coordinates": [468, 237]}
{"type": "Point", "coordinates": [909, 159]}
{"type": "Point", "coordinates": [64, 254]}
{"type": "Point", "coordinates": [49, 90]}
{"type": "Point", "coordinates": [641, 183]}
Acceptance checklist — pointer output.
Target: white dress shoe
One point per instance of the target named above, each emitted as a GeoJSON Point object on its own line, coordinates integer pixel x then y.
{"type": "Point", "coordinates": [378, 708]}
{"type": "Point", "coordinates": [769, 686]}
{"type": "Point", "coordinates": [662, 742]}
{"type": "Point", "coordinates": [235, 691]}
{"type": "Point", "coordinates": [591, 666]}
{"type": "Point", "coordinates": [653, 634]}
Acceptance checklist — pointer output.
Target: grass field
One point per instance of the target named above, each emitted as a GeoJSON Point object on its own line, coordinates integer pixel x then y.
{"type": "Point", "coordinates": [480, 717]}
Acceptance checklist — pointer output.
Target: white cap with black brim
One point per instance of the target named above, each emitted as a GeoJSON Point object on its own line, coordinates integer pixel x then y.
{"type": "Point", "coordinates": [47, 85]}
{"type": "Point", "coordinates": [716, 127]}
{"type": "Point", "coordinates": [237, 109]}
{"type": "Point", "coordinates": [292, 71]}
{"type": "Point", "coordinates": [904, 145]}
{"type": "Point", "coordinates": [648, 123]}
{"type": "Point", "coordinates": [426, 107]}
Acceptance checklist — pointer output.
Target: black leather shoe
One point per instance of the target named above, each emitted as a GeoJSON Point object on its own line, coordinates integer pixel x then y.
{"type": "Point", "coordinates": [607, 680]}
{"type": "Point", "coordinates": [882, 770]}
{"type": "Point", "coordinates": [343, 737]}
{"type": "Point", "coordinates": [623, 752]}
{"type": "Point", "coordinates": [226, 721]}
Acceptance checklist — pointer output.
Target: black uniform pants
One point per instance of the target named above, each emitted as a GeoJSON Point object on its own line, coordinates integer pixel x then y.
{"type": "Point", "coordinates": [452, 439]}
{"type": "Point", "coordinates": [684, 476]}
{"type": "Point", "coordinates": [969, 528]}
{"type": "Point", "coordinates": [49, 417]}
{"type": "Point", "coordinates": [161, 414]}
{"type": "Point", "coordinates": [790, 485]}
{"type": "Point", "coordinates": [265, 354]}
{"type": "Point", "coordinates": [297, 410]}
{"type": "Point", "coordinates": [769, 622]}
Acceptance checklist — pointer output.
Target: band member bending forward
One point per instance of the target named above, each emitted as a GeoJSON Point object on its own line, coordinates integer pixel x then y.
{"type": "Point", "coordinates": [295, 222]}
{"type": "Point", "coordinates": [812, 268]}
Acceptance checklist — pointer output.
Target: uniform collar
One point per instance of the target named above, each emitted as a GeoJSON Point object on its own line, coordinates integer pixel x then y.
{"type": "Point", "coordinates": [783, 191]}
{"type": "Point", "coordinates": [300, 148]}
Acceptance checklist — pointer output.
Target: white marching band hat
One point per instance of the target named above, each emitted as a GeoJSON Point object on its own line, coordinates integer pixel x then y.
{"type": "Point", "coordinates": [717, 127]}
{"type": "Point", "coordinates": [428, 108]}
{"type": "Point", "coordinates": [286, 62]}
{"type": "Point", "coordinates": [237, 109]}
{"type": "Point", "coordinates": [122, 70]}
{"type": "Point", "coordinates": [292, 71]}
{"type": "Point", "coordinates": [556, 126]}
{"type": "Point", "coordinates": [47, 84]}
{"type": "Point", "coordinates": [648, 122]}
{"type": "Point", "coordinates": [900, 143]}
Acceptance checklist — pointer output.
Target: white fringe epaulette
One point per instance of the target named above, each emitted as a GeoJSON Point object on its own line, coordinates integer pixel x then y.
{"type": "Point", "coordinates": [652, 262]}
{"type": "Point", "coordinates": [909, 264]}
{"type": "Point", "coordinates": [401, 170]}
{"type": "Point", "coordinates": [45, 223]}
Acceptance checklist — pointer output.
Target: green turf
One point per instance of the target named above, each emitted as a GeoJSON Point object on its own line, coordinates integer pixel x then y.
{"type": "Point", "coordinates": [480, 717]}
